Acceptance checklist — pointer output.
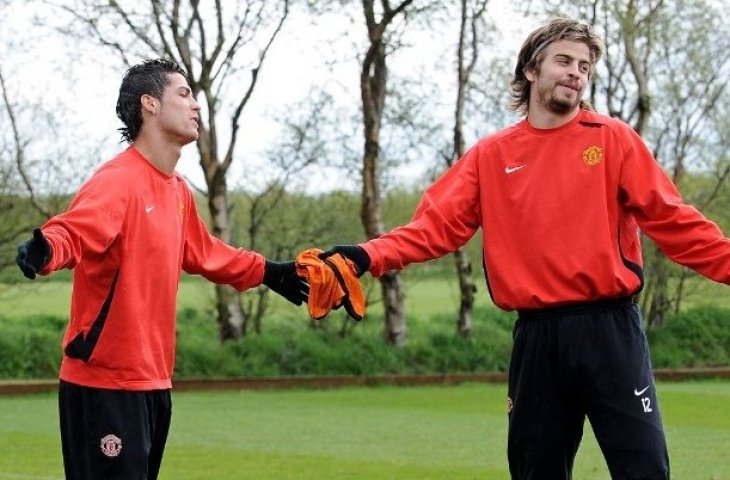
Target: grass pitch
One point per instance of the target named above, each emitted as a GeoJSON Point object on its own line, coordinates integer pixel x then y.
{"type": "Point", "coordinates": [383, 433]}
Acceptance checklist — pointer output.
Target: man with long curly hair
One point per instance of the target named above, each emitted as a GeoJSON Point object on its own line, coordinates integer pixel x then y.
{"type": "Point", "coordinates": [561, 197]}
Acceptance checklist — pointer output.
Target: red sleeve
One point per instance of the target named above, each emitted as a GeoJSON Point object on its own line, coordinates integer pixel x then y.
{"type": "Point", "coordinates": [679, 230]}
{"type": "Point", "coordinates": [217, 261]}
{"type": "Point", "coordinates": [446, 218]}
{"type": "Point", "coordinates": [91, 223]}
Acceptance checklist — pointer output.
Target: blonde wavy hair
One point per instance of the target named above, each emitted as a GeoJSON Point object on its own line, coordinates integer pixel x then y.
{"type": "Point", "coordinates": [533, 51]}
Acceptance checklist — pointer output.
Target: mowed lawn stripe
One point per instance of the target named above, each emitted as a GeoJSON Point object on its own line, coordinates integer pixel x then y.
{"type": "Point", "coordinates": [391, 425]}
{"type": "Point", "coordinates": [455, 433]}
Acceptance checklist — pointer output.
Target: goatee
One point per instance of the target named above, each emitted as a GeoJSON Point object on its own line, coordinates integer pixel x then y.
{"type": "Point", "coordinates": [560, 106]}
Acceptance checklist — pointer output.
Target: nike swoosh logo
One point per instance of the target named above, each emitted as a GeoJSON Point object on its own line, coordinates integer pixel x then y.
{"type": "Point", "coordinates": [509, 170]}
{"type": "Point", "coordinates": [149, 209]}
{"type": "Point", "coordinates": [639, 392]}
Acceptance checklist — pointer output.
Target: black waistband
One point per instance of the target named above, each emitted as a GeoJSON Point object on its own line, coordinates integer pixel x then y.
{"type": "Point", "coordinates": [575, 308]}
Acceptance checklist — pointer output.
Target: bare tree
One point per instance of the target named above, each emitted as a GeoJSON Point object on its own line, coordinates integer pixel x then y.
{"type": "Point", "coordinates": [468, 46]}
{"type": "Point", "coordinates": [14, 217]}
{"type": "Point", "coordinates": [19, 151]}
{"type": "Point", "coordinates": [373, 83]}
{"type": "Point", "coordinates": [35, 173]}
{"type": "Point", "coordinates": [219, 44]}
{"type": "Point", "coordinates": [282, 228]}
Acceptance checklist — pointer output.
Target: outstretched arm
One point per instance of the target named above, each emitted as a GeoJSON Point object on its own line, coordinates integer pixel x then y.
{"type": "Point", "coordinates": [680, 230]}
{"type": "Point", "coordinates": [447, 216]}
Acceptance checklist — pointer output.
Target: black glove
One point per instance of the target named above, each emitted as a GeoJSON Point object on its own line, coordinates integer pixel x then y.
{"type": "Point", "coordinates": [283, 279]}
{"type": "Point", "coordinates": [355, 253]}
{"type": "Point", "coordinates": [34, 254]}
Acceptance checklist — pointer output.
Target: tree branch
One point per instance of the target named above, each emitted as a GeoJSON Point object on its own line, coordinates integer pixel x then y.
{"type": "Point", "coordinates": [246, 97]}
{"type": "Point", "coordinates": [20, 151]}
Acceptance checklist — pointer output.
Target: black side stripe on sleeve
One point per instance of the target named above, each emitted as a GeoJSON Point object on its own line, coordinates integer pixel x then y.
{"type": "Point", "coordinates": [81, 346]}
{"type": "Point", "coordinates": [486, 275]}
{"type": "Point", "coordinates": [638, 271]}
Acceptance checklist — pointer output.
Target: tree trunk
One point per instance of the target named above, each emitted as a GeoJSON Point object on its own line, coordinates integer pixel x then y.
{"type": "Point", "coordinates": [392, 289]}
{"type": "Point", "coordinates": [373, 80]}
{"type": "Point", "coordinates": [371, 216]}
{"type": "Point", "coordinates": [659, 304]}
{"type": "Point", "coordinates": [468, 25]}
{"type": "Point", "coordinates": [228, 302]}
{"type": "Point", "coordinates": [230, 321]}
{"type": "Point", "coordinates": [467, 289]}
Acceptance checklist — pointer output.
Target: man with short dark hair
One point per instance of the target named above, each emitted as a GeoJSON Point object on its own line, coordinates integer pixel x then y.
{"type": "Point", "coordinates": [128, 234]}
{"type": "Point", "coordinates": [560, 198]}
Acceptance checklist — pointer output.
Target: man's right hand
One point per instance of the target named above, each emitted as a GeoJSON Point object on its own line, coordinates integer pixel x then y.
{"type": "Point", "coordinates": [354, 253]}
{"type": "Point", "coordinates": [34, 254]}
{"type": "Point", "coordinates": [282, 278]}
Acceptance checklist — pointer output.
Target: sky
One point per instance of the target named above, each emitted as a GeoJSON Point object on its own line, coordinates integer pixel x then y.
{"type": "Point", "coordinates": [83, 92]}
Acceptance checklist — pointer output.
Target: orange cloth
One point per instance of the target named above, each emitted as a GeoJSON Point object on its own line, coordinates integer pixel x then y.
{"type": "Point", "coordinates": [332, 283]}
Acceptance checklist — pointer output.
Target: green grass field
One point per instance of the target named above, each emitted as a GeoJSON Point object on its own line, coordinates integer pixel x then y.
{"type": "Point", "coordinates": [45, 297]}
{"type": "Point", "coordinates": [424, 296]}
{"type": "Point", "coordinates": [383, 433]}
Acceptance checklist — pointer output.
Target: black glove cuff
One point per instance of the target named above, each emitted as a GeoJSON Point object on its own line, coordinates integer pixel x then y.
{"type": "Point", "coordinates": [361, 259]}
{"type": "Point", "coordinates": [275, 272]}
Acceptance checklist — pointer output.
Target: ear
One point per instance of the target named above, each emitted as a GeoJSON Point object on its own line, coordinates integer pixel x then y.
{"type": "Point", "coordinates": [149, 104]}
{"type": "Point", "coordinates": [530, 74]}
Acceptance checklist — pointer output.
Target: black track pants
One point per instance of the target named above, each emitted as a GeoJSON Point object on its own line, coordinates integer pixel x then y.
{"type": "Point", "coordinates": [583, 360]}
{"type": "Point", "coordinates": [113, 434]}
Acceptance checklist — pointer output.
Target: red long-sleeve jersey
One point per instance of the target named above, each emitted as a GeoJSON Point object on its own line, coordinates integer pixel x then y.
{"type": "Point", "coordinates": [128, 234]}
{"type": "Point", "coordinates": [560, 211]}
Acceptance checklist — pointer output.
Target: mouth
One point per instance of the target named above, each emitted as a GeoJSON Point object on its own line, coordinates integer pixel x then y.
{"type": "Point", "coordinates": [572, 87]}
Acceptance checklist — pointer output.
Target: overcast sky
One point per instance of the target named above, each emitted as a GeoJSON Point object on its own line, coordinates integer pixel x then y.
{"type": "Point", "coordinates": [86, 88]}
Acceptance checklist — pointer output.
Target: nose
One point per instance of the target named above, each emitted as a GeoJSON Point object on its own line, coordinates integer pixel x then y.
{"type": "Point", "coordinates": [196, 105]}
{"type": "Point", "coordinates": [574, 70]}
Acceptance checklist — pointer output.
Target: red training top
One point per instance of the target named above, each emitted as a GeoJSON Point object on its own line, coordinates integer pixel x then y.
{"type": "Point", "coordinates": [128, 233]}
{"type": "Point", "coordinates": [560, 211]}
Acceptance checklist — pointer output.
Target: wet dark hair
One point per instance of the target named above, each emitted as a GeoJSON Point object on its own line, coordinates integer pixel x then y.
{"type": "Point", "coordinates": [533, 52]}
{"type": "Point", "coordinates": [146, 78]}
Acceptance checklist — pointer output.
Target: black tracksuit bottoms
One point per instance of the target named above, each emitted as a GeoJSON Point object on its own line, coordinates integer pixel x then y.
{"type": "Point", "coordinates": [585, 360]}
{"type": "Point", "coordinates": [113, 434]}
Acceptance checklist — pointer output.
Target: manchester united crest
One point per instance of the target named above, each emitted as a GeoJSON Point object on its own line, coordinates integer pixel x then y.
{"type": "Point", "coordinates": [111, 445]}
{"type": "Point", "coordinates": [593, 155]}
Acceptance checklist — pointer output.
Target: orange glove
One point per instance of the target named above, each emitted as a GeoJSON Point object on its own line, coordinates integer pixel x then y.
{"type": "Point", "coordinates": [332, 282]}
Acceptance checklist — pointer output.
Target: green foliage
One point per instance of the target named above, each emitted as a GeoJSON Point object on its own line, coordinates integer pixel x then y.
{"type": "Point", "coordinates": [293, 349]}
{"type": "Point", "coordinates": [31, 348]}
{"type": "Point", "coordinates": [280, 225]}
{"type": "Point", "coordinates": [699, 337]}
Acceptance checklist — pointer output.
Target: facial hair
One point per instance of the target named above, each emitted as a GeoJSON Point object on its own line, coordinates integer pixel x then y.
{"type": "Point", "coordinates": [555, 104]}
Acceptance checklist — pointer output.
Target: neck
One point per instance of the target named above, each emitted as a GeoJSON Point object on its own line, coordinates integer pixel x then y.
{"type": "Point", "coordinates": [161, 154]}
{"type": "Point", "coordinates": [544, 119]}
